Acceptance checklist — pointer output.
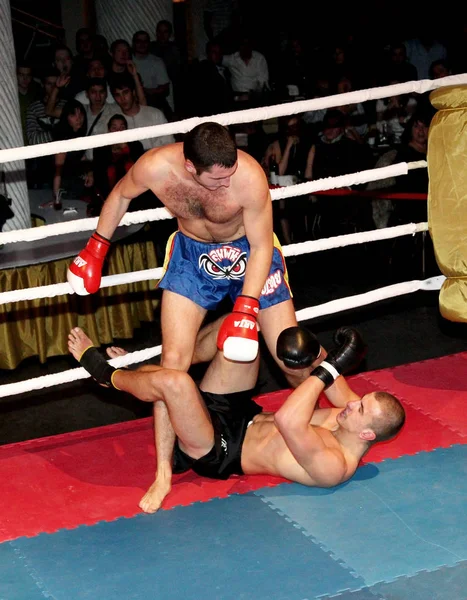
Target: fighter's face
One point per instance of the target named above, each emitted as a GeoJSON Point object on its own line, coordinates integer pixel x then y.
{"type": "Point", "coordinates": [215, 177]}
{"type": "Point", "coordinates": [359, 415]}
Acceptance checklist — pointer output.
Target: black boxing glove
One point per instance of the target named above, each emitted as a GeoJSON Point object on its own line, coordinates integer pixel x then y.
{"type": "Point", "coordinates": [348, 354]}
{"type": "Point", "coordinates": [297, 347]}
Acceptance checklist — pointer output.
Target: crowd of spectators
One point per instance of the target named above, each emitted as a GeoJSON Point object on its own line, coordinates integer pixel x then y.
{"type": "Point", "coordinates": [112, 85]}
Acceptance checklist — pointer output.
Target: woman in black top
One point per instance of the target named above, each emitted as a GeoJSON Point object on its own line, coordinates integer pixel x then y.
{"type": "Point", "coordinates": [72, 170]}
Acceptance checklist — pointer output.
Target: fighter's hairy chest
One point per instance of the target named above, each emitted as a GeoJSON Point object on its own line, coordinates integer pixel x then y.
{"type": "Point", "coordinates": [187, 202]}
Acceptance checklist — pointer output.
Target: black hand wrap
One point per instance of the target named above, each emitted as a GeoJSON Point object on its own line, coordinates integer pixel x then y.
{"type": "Point", "coordinates": [96, 365]}
{"type": "Point", "coordinates": [297, 347]}
{"type": "Point", "coordinates": [350, 351]}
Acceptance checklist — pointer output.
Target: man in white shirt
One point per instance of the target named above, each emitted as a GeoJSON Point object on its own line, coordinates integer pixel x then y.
{"type": "Point", "coordinates": [156, 82]}
{"type": "Point", "coordinates": [123, 90]}
{"type": "Point", "coordinates": [248, 68]}
{"type": "Point", "coordinates": [98, 110]}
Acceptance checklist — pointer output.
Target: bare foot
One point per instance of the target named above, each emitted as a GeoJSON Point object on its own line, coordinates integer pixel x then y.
{"type": "Point", "coordinates": [115, 351]}
{"type": "Point", "coordinates": [78, 341]}
{"type": "Point", "coordinates": [153, 498]}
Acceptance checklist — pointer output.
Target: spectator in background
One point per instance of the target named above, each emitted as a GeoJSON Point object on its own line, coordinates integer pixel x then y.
{"type": "Point", "coordinates": [101, 48]}
{"type": "Point", "coordinates": [167, 49]}
{"type": "Point", "coordinates": [208, 90]}
{"type": "Point", "coordinates": [356, 119]}
{"type": "Point", "coordinates": [440, 68]}
{"type": "Point", "coordinates": [398, 67]}
{"type": "Point", "coordinates": [121, 62]}
{"type": "Point", "coordinates": [322, 87]}
{"type": "Point", "coordinates": [123, 90]}
{"type": "Point", "coordinates": [414, 143]}
{"type": "Point", "coordinates": [98, 111]}
{"type": "Point", "coordinates": [95, 70]}
{"type": "Point", "coordinates": [392, 114]}
{"type": "Point", "coordinates": [248, 69]}
{"type": "Point", "coordinates": [340, 63]}
{"type": "Point", "coordinates": [120, 52]}
{"type": "Point", "coordinates": [112, 162]}
{"type": "Point", "coordinates": [63, 62]}
{"type": "Point", "coordinates": [73, 172]}
{"type": "Point", "coordinates": [39, 127]}
{"type": "Point", "coordinates": [156, 82]}
{"type": "Point", "coordinates": [84, 41]}
{"type": "Point", "coordinates": [335, 154]}
{"type": "Point", "coordinates": [28, 92]}
{"type": "Point", "coordinates": [289, 151]}
{"type": "Point", "coordinates": [425, 48]}
{"type": "Point", "coordinates": [294, 69]}
{"type": "Point", "coordinates": [406, 252]}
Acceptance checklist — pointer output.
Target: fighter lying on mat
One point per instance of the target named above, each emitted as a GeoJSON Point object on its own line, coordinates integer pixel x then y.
{"type": "Point", "coordinates": [220, 429]}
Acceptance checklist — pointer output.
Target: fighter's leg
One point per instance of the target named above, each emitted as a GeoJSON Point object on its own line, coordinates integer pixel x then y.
{"type": "Point", "coordinates": [179, 395]}
{"type": "Point", "coordinates": [206, 342]}
{"type": "Point", "coordinates": [180, 320]}
{"type": "Point", "coordinates": [272, 321]}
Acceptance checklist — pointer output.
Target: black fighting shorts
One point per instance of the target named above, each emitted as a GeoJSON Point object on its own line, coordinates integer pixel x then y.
{"type": "Point", "coordinates": [230, 415]}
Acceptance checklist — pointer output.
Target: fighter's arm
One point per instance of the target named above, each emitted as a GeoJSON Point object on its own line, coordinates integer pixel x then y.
{"type": "Point", "coordinates": [339, 393]}
{"type": "Point", "coordinates": [238, 335]}
{"type": "Point", "coordinates": [257, 219]}
{"type": "Point", "coordinates": [325, 465]}
{"type": "Point", "coordinates": [135, 182]}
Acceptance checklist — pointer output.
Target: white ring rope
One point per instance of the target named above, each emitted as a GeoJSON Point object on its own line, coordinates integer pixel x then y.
{"type": "Point", "coordinates": [250, 115]}
{"type": "Point", "coordinates": [241, 116]}
{"type": "Point", "coordinates": [398, 289]}
{"type": "Point", "coordinates": [156, 214]}
{"type": "Point", "coordinates": [60, 289]}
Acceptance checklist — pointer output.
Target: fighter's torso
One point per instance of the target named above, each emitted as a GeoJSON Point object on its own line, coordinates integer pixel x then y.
{"type": "Point", "coordinates": [265, 451]}
{"type": "Point", "coordinates": [201, 213]}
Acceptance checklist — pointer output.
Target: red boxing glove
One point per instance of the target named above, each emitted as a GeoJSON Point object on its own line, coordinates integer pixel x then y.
{"type": "Point", "coordinates": [84, 274]}
{"type": "Point", "coordinates": [238, 335]}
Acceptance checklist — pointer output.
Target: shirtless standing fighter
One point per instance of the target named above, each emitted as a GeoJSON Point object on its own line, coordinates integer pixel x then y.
{"type": "Point", "coordinates": [224, 246]}
{"type": "Point", "coordinates": [221, 431]}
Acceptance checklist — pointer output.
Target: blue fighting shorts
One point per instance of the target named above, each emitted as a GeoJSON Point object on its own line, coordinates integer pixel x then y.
{"type": "Point", "coordinates": [207, 272]}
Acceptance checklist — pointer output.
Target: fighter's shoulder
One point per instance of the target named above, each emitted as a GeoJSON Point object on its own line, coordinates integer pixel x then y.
{"type": "Point", "coordinates": [251, 173]}
{"type": "Point", "coordinates": [159, 159]}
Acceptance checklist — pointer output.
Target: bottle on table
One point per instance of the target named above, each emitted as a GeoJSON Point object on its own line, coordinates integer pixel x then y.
{"type": "Point", "coordinates": [273, 171]}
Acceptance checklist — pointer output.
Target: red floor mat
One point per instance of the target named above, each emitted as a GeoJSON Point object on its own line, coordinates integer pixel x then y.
{"type": "Point", "coordinates": [100, 474]}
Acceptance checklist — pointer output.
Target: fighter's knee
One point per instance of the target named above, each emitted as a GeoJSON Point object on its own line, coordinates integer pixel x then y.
{"type": "Point", "coordinates": [173, 382]}
{"type": "Point", "coordinates": [176, 359]}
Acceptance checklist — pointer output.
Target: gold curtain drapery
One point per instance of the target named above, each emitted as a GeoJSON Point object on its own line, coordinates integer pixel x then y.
{"type": "Point", "coordinates": [40, 327]}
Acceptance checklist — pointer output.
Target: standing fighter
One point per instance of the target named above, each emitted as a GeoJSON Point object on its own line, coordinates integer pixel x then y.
{"type": "Point", "coordinates": [224, 246]}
